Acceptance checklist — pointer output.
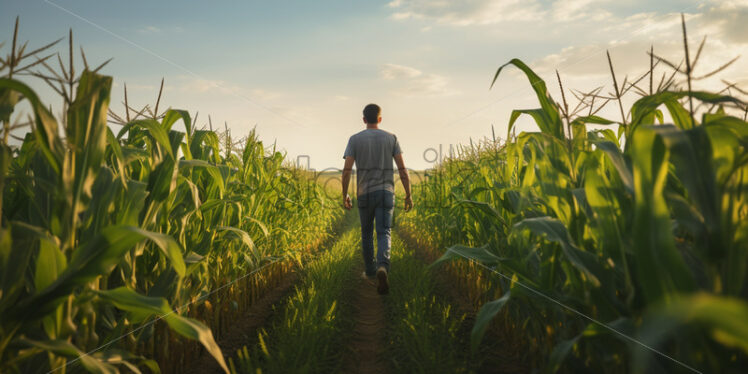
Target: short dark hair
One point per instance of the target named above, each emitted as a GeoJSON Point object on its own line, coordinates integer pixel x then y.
{"type": "Point", "coordinates": [371, 113]}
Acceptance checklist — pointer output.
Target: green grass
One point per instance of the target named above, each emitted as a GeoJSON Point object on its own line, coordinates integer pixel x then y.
{"type": "Point", "coordinates": [424, 333]}
{"type": "Point", "coordinates": [424, 328]}
{"type": "Point", "coordinates": [311, 328]}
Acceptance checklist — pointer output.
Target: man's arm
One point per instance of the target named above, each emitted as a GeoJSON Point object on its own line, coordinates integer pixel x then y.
{"type": "Point", "coordinates": [347, 169]}
{"type": "Point", "coordinates": [405, 179]}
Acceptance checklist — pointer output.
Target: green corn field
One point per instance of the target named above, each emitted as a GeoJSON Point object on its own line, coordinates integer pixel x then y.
{"type": "Point", "coordinates": [602, 244]}
{"type": "Point", "coordinates": [114, 243]}
{"type": "Point", "coordinates": [137, 242]}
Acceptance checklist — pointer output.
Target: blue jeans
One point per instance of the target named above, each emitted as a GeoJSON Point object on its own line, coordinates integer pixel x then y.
{"type": "Point", "coordinates": [376, 206]}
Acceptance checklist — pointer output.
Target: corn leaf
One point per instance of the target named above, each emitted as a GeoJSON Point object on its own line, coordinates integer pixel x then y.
{"type": "Point", "coordinates": [486, 313]}
{"type": "Point", "coordinates": [129, 300]}
{"type": "Point", "coordinates": [555, 231]}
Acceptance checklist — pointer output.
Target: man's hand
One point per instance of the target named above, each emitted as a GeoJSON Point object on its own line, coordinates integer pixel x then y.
{"type": "Point", "coordinates": [345, 180]}
{"type": "Point", "coordinates": [408, 203]}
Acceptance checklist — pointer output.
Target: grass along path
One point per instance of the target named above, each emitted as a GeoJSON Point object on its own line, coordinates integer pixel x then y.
{"type": "Point", "coordinates": [245, 328]}
{"type": "Point", "coordinates": [335, 322]}
{"type": "Point", "coordinates": [499, 352]}
{"type": "Point", "coordinates": [426, 333]}
{"type": "Point", "coordinates": [306, 335]}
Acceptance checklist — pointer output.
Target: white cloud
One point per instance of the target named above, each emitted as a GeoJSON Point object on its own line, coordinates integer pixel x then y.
{"type": "Point", "coordinates": [414, 82]}
{"type": "Point", "coordinates": [589, 62]}
{"type": "Point", "coordinates": [467, 12]}
{"type": "Point", "coordinates": [730, 18]}
{"type": "Point", "coordinates": [486, 12]}
{"type": "Point", "coordinates": [628, 57]}
{"type": "Point", "coordinates": [571, 10]}
{"type": "Point", "coordinates": [652, 26]}
{"type": "Point", "coordinates": [397, 72]}
{"type": "Point", "coordinates": [586, 64]}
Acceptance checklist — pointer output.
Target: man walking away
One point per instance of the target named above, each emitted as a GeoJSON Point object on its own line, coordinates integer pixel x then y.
{"type": "Point", "coordinates": [373, 150]}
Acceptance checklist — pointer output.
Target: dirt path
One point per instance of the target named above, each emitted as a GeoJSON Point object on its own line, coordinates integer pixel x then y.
{"type": "Point", "coordinates": [368, 340]}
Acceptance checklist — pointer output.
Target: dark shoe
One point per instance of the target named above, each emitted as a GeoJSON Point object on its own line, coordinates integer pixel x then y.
{"type": "Point", "coordinates": [383, 287]}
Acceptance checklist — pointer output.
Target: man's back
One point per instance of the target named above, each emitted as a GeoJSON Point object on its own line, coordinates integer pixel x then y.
{"type": "Point", "coordinates": [373, 151]}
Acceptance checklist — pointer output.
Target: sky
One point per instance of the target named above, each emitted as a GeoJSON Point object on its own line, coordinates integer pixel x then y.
{"type": "Point", "coordinates": [300, 72]}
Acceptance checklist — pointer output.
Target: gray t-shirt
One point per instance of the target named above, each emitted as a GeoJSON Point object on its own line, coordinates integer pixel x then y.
{"type": "Point", "coordinates": [373, 150]}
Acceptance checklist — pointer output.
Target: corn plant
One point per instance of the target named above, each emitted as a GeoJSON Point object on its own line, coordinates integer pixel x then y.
{"type": "Point", "coordinates": [113, 244]}
{"type": "Point", "coordinates": [617, 251]}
